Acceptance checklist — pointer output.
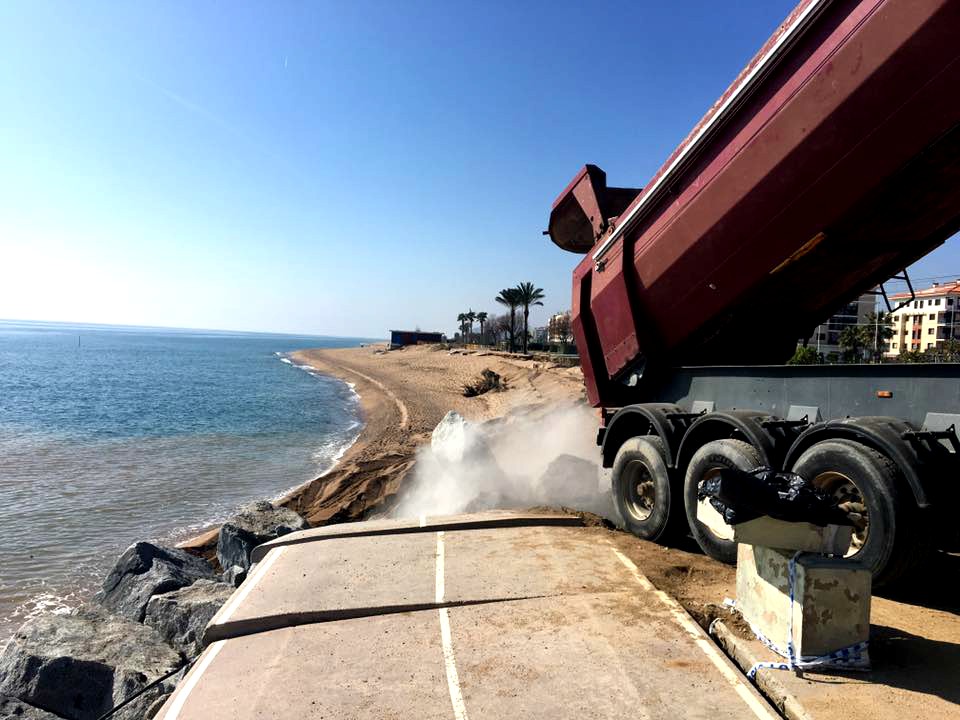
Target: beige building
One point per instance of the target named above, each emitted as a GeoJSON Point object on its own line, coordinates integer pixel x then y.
{"type": "Point", "coordinates": [927, 320]}
{"type": "Point", "coordinates": [558, 328]}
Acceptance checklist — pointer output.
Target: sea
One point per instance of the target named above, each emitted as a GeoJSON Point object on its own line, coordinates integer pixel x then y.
{"type": "Point", "coordinates": [110, 435]}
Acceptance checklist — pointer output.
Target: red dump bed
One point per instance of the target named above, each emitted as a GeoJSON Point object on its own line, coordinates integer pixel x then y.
{"type": "Point", "coordinates": [832, 162]}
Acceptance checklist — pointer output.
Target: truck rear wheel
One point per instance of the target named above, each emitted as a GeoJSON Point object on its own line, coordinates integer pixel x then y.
{"type": "Point", "coordinates": [641, 488]}
{"type": "Point", "coordinates": [887, 537]}
{"type": "Point", "coordinates": [705, 464]}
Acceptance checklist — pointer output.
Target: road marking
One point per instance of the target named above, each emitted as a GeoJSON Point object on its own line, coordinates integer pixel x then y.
{"type": "Point", "coordinates": [705, 644]}
{"type": "Point", "coordinates": [440, 586]}
{"type": "Point", "coordinates": [184, 691]}
{"type": "Point", "coordinates": [423, 520]}
{"type": "Point", "coordinates": [453, 679]}
{"type": "Point", "coordinates": [248, 585]}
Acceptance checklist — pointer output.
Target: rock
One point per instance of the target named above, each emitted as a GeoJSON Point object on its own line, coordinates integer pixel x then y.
{"type": "Point", "coordinates": [80, 666]}
{"type": "Point", "coordinates": [572, 475]}
{"type": "Point", "coordinates": [180, 616]}
{"type": "Point", "coordinates": [13, 709]}
{"type": "Point", "coordinates": [254, 525]}
{"type": "Point", "coordinates": [234, 575]}
{"type": "Point", "coordinates": [488, 381]}
{"type": "Point", "coordinates": [454, 440]}
{"type": "Point", "coordinates": [234, 546]}
{"type": "Point", "coordinates": [145, 570]}
{"type": "Point", "coordinates": [573, 482]}
{"type": "Point", "coordinates": [457, 473]}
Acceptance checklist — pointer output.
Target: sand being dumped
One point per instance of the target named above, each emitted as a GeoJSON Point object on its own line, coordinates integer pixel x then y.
{"type": "Point", "coordinates": [542, 456]}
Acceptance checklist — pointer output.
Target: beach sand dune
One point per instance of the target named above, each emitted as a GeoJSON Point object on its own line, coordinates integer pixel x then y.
{"type": "Point", "coordinates": [404, 394]}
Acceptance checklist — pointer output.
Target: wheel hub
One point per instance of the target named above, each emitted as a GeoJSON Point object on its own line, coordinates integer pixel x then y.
{"type": "Point", "coordinates": [850, 501]}
{"type": "Point", "coordinates": [641, 493]}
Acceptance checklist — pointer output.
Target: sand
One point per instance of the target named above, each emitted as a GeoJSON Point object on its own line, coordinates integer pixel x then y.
{"type": "Point", "coordinates": [404, 394]}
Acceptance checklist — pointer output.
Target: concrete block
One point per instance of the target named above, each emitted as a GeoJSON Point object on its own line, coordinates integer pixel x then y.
{"type": "Point", "coordinates": [770, 532]}
{"type": "Point", "coordinates": [714, 521]}
{"type": "Point", "coordinates": [832, 599]}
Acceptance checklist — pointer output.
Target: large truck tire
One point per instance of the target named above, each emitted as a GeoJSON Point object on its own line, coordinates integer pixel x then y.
{"type": "Point", "coordinates": [888, 537]}
{"type": "Point", "coordinates": [705, 464]}
{"type": "Point", "coordinates": [641, 488]}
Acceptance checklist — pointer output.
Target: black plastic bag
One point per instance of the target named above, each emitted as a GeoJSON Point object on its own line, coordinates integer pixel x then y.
{"type": "Point", "coordinates": [741, 496]}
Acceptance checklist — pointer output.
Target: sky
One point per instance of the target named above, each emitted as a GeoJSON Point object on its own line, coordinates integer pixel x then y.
{"type": "Point", "coordinates": [337, 168]}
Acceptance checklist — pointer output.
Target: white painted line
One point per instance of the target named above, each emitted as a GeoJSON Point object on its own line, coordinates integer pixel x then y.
{"type": "Point", "coordinates": [183, 692]}
{"type": "Point", "coordinates": [446, 639]}
{"type": "Point", "coordinates": [453, 680]}
{"type": "Point", "coordinates": [423, 520]}
{"type": "Point", "coordinates": [440, 587]}
{"type": "Point", "coordinates": [681, 617]}
{"type": "Point", "coordinates": [227, 610]}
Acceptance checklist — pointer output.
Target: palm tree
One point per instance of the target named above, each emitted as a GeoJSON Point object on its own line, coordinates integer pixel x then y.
{"type": "Point", "coordinates": [482, 319]}
{"type": "Point", "coordinates": [527, 295]}
{"type": "Point", "coordinates": [852, 342]}
{"type": "Point", "coordinates": [462, 319]}
{"type": "Point", "coordinates": [470, 317]}
{"type": "Point", "coordinates": [878, 332]}
{"type": "Point", "coordinates": [508, 297]}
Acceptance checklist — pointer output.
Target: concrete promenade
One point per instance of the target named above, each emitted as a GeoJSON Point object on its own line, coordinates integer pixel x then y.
{"type": "Point", "coordinates": [492, 615]}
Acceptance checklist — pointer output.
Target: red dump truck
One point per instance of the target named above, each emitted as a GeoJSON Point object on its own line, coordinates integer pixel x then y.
{"type": "Point", "coordinates": [829, 165]}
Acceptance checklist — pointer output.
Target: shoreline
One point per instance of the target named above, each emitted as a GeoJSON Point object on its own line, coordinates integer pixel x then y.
{"type": "Point", "coordinates": [403, 394]}
{"type": "Point", "coordinates": [369, 408]}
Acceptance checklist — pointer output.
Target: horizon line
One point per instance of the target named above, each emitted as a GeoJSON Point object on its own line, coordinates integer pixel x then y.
{"type": "Point", "coordinates": [187, 329]}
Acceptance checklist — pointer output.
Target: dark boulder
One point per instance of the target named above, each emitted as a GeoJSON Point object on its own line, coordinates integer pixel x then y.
{"type": "Point", "coordinates": [254, 525]}
{"type": "Point", "coordinates": [13, 709]}
{"type": "Point", "coordinates": [145, 570]}
{"type": "Point", "coordinates": [82, 665]}
{"type": "Point", "coordinates": [573, 482]}
{"type": "Point", "coordinates": [234, 576]}
{"type": "Point", "coordinates": [180, 616]}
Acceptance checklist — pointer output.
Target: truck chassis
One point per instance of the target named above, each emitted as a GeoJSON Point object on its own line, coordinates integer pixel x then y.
{"type": "Point", "coordinates": [880, 438]}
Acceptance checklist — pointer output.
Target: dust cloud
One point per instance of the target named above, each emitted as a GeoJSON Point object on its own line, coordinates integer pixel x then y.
{"type": "Point", "coordinates": [539, 456]}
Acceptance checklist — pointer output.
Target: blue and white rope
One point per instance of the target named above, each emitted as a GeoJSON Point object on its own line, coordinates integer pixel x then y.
{"type": "Point", "coordinates": [854, 657]}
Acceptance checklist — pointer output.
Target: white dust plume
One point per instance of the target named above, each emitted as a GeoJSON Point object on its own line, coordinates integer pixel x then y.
{"type": "Point", "coordinates": [533, 457]}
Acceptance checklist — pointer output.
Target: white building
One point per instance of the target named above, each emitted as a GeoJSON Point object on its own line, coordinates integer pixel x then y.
{"type": "Point", "coordinates": [926, 321]}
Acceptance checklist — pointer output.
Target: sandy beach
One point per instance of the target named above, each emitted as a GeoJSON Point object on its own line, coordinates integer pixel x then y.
{"type": "Point", "coordinates": [404, 394]}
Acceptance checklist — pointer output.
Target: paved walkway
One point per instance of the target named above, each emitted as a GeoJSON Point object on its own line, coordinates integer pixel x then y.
{"type": "Point", "coordinates": [495, 615]}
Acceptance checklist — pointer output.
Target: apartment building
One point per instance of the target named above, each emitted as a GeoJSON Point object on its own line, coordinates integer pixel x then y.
{"type": "Point", "coordinates": [926, 321]}
{"type": "Point", "coordinates": [826, 338]}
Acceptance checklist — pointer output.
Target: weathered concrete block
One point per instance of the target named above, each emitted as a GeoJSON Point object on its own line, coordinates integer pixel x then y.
{"type": "Point", "coordinates": [770, 532]}
{"type": "Point", "coordinates": [832, 599]}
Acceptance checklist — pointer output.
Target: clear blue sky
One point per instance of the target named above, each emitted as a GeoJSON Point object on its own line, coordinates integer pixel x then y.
{"type": "Point", "coordinates": [336, 168]}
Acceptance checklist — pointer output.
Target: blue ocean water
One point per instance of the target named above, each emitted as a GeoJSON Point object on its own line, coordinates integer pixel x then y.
{"type": "Point", "coordinates": [110, 435]}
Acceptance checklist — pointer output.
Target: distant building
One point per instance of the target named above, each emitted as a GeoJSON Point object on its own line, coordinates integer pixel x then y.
{"type": "Point", "coordinates": [826, 338]}
{"type": "Point", "coordinates": [559, 329]}
{"type": "Point", "coordinates": [927, 320]}
{"type": "Point", "coordinates": [399, 338]}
